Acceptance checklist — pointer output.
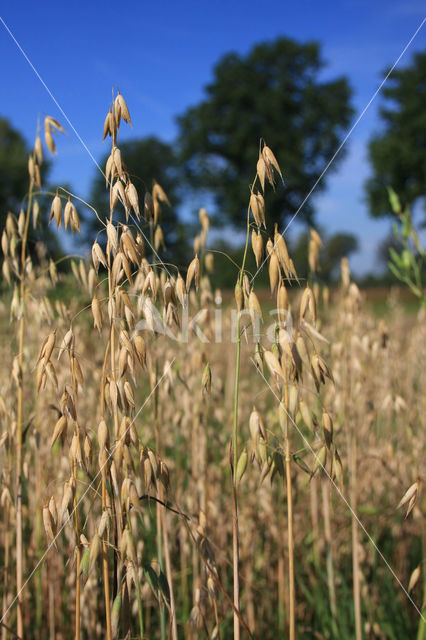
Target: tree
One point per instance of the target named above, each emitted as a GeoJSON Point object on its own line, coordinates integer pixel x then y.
{"type": "Point", "coordinates": [147, 160]}
{"type": "Point", "coordinates": [13, 169]}
{"type": "Point", "coordinates": [274, 93]}
{"type": "Point", "coordinates": [14, 183]}
{"type": "Point", "coordinates": [398, 154]}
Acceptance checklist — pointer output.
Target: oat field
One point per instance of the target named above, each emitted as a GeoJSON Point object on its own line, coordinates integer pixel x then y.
{"type": "Point", "coordinates": [177, 466]}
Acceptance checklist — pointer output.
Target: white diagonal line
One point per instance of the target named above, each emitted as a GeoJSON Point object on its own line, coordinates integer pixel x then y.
{"type": "Point", "coordinates": [76, 132]}
{"type": "Point", "coordinates": [67, 520]}
{"type": "Point", "coordinates": [318, 461]}
{"type": "Point", "coordinates": [342, 144]}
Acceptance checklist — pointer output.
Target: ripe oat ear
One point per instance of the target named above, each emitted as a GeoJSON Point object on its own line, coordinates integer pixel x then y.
{"type": "Point", "coordinates": [271, 160]}
{"type": "Point", "coordinates": [122, 109]}
{"type": "Point", "coordinates": [193, 274]}
{"type": "Point", "coordinates": [261, 172]}
{"type": "Point", "coordinates": [410, 497]}
{"type": "Point", "coordinates": [414, 578]}
{"type": "Point", "coordinates": [51, 126]}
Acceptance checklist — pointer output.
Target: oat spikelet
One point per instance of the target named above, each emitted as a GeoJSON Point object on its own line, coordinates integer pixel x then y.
{"type": "Point", "coordinates": [109, 125]}
{"type": "Point", "coordinates": [38, 149]}
{"type": "Point", "coordinates": [132, 196]}
{"type": "Point", "coordinates": [327, 425]}
{"type": "Point", "coordinates": [414, 578]}
{"type": "Point", "coordinates": [121, 105]}
{"type": "Point", "coordinates": [49, 524]}
{"type": "Point", "coordinates": [274, 273]}
{"type": "Point", "coordinates": [95, 547]}
{"type": "Point", "coordinates": [261, 172]}
{"type": "Point", "coordinates": [254, 307]}
{"type": "Point", "coordinates": [193, 273]}
{"type": "Point", "coordinates": [97, 314]}
{"type": "Point", "coordinates": [206, 381]}
{"type": "Point", "coordinates": [112, 237]}
{"type": "Point", "coordinates": [47, 347]}
{"type": "Point", "coordinates": [257, 206]}
{"type": "Point", "coordinates": [409, 496]}
{"type": "Point", "coordinates": [56, 210]}
{"type": "Point", "coordinates": [257, 246]}
{"type": "Point", "coordinates": [158, 194]}
{"type": "Point", "coordinates": [51, 126]}
{"type": "Point", "coordinates": [271, 161]}
{"type": "Point", "coordinates": [274, 365]}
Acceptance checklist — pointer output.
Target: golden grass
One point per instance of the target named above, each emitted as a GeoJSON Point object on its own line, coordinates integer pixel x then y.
{"type": "Point", "coordinates": [158, 481]}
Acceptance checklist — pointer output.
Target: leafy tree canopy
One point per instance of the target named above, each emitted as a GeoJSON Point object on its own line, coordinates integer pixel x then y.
{"type": "Point", "coordinates": [398, 154]}
{"type": "Point", "coordinates": [274, 93]}
{"type": "Point", "coordinates": [14, 184]}
{"type": "Point", "coordinates": [13, 169]}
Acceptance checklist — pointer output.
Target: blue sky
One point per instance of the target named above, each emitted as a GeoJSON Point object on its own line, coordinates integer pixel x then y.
{"type": "Point", "coordinates": [161, 56]}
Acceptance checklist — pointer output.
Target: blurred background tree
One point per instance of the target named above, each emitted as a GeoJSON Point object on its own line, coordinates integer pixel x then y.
{"type": "Point", "coordinates": [14, 183]}
{"type": "Point", "coordinates": [13, 170]}
{"type": "Point", "coordinates": [274, 93]}
{"type": "Point", "coordinates": [398, 154]}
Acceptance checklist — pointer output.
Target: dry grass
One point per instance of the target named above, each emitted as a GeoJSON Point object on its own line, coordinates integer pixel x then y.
{"type": "Point", "coordinates": [193, 487]}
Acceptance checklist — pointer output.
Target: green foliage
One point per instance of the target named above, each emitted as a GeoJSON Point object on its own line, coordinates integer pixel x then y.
{"type": "Point", "coordinates": [397, 155]}
{"type": "Point", "coordinates": [406, 264]}
{"type": "Point", "coordinates": [14, 181]}
{"type": "Point", "coordinates": [13, 169]}
{"type": "Point", "coordinates": [273, 93]}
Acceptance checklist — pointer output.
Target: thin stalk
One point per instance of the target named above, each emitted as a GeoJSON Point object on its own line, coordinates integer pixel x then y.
{"type": "Point", "coordinates": [355, 559]}
{"type": "Point", "coordinates": [105, 568]}
{"type": "Point", "coordinates": [40, 547]}
{"type": "Point", "coordinates": [421, 633]}
{"type": "Point", "coordinates": [158, 514]}
{"type": "Point", "coordinates": [78, 557]}
{"type": "Point", "coordinates": [19, 424]}
{"type": "Point", "coordinates": [235, 561]}
{"type": "Point", "coordinates": [290, 543]}
{"type": "Point", "coordinates": [292, 597]}
{"type": "Point", "coordinates": [352, 441]}
{"type": "Point", "coordinates": [184, 576]}
{"type": "Point", "coordinates": [352, 449]}
{"type": "Point", "coordinates": [313, 489]}
{"type": "Point", "coordinates": [6, 570]}
{"type": "Point", "coordinates": [7, 546]}
{"type": "Point", "coordinates": [235, 542]}
{"type": "Point", "coordinates": [169, 576]}
{"type": "Point", "coordinates": [138, 587]}
{"type": "Point", "coordinates": [325, 487]}
{"type": "Point", "coordinates": [281, 577]}
{"type": "Point", "coordinates": [251, 615]}
{"type": "Point", "coordinates": [160, 562]}
{"type": "Point", "coordinates": [52, 625]}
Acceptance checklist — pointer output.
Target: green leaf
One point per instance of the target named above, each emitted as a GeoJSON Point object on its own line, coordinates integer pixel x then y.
{"type": "Point", "coordinates": [164, 587]}
{"type": "Point", "coordinates": [84, 563]}
{"type": "Point", "coordinates": [395, 257]}
{"type": "Point", "coordinates": [394, 200]}
{"type": "Point", "coordinates": [300, 463]}
{"type": "Point", "coordinates": [395, 271]}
